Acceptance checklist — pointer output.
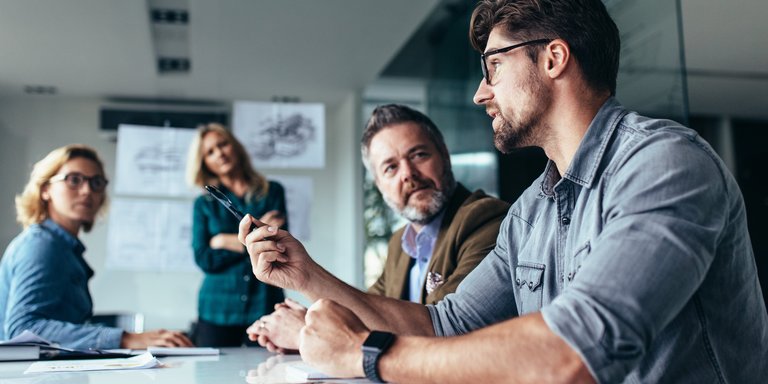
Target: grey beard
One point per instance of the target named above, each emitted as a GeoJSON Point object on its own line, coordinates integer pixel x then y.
{"type": "Point", "coordinates": [436, 203]}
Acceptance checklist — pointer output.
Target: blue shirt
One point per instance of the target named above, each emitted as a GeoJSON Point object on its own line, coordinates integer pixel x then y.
{"type": "Point", "coordinates": [638, 257]}
{"type": "Point", "coordinates": [44, 289]}
{"type": "Point", "coordinates": [419, 246]}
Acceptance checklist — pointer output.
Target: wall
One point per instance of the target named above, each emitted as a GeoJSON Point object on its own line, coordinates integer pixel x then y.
{"type": "Point", "coordinates": [32, 126]}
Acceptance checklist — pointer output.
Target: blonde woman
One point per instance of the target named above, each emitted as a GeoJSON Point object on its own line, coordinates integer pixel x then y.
{"type": "Point", "coordinates": [230, 297]}
{"type": "Point", "coordinates": [43, 275]}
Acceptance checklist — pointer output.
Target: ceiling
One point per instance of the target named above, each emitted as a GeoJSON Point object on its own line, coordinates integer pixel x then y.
{"type": "Point", "coordinates": [319, 50]}
{"type": "Point", "coordinates": [240, 49]}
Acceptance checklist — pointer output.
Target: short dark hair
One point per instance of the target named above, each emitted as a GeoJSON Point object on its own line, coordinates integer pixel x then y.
{"type": "Point", "coordinates": [387, 115]}
{"type": "Point", "coordinates": [584, 24]}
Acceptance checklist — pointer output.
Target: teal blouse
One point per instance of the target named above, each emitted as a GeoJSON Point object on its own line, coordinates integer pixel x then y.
{"type": "Point", "coordinates": [230, 294]}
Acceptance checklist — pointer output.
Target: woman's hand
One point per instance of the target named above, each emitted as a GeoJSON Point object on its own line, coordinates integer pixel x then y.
{"type": "Point", "coordinates": [226, 241]}
{"type": "Point", "coordinates": [158, 338]}
{"type": "Point", "coordinates": [274, 218]}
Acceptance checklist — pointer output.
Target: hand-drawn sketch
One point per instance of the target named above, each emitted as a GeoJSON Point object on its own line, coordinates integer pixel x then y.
{"type": "Point", "coordinates": [151, 161]}
{"type": "Point", "coordinates": [298, 198]}
{"type": "Point", "coordinates": [150, 235]}
{"type": "Point", "coordinates": [281, 135]}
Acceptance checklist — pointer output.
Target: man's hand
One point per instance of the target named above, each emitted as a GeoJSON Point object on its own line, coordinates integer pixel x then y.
{"type": "Point", "coordinates": [277, 258]}
{"type": "Point", "coordinates": [279, 331]}
{"type": "Point", "coordinates": [159, 338]}
{"type": "Point", "coordinates": [332, 339]}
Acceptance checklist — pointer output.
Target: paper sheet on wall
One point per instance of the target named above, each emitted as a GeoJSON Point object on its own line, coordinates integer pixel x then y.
{"type": "Point", "coordinates": [150, 235]}
{"type": "Point", "coordinates": [281, 135]}
{"type": "Point", "coordinates": [298, 198]}
{"type": "Point", "coordinates": [151, 161]}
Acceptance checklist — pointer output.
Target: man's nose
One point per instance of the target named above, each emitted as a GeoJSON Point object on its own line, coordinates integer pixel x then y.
{"type": "Point", "coordinates": [407, 171]}
{"type": "Point", "coordinates": [483, 93]}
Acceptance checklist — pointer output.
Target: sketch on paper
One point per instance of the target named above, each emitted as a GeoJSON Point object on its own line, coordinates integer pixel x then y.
{"type": "Point", "coordinates": [298, 198]}
{"type": "Point", "coordinates": [281, 135]}
{"type": "Point", "coordinates": [150, 235]}
{"type": "Point", "coordinates": [151, 161]}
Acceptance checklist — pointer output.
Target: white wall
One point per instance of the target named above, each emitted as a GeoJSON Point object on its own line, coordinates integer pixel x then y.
{"type": "Point", "coordinates": [30, 127]}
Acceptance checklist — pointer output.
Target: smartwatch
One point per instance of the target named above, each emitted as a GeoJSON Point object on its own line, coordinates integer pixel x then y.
{"type": "Point", "coordinates": [374, 346]}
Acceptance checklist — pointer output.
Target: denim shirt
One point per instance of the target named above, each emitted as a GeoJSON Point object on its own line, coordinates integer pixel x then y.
{"type": "Point", "coordinates": [638, 257]}
{"type": "Point", "coordinates": [44, 289]}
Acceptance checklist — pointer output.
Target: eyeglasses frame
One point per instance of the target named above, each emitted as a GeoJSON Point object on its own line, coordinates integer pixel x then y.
{"type": "Point", "coordinates": [483, 56]}
{"type": "Point", "coordinates": [88, 179]}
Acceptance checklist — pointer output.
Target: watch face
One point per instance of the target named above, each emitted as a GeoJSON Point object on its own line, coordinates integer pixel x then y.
{"type": "Point", "coordinates": [377, 341]}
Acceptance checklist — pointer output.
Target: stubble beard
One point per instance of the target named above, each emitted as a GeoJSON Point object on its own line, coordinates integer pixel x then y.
{"type": "Point", "coordinates": [525, 130]}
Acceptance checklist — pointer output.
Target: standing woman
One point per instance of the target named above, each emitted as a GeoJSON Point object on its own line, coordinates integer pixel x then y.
{"type": "Point", "coordinates": [230, 298]}
{"type": "Point", "coordinates": [43, 275]}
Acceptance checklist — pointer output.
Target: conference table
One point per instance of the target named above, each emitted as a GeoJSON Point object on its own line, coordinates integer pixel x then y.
{"type": "Point", "coordinates": [234, 365]}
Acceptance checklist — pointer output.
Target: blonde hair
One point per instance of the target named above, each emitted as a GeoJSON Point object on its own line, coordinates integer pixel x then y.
{"type": "Point", "coordinates": [30, 207]}
{"type": "Point", "coordinates": [199, 175]}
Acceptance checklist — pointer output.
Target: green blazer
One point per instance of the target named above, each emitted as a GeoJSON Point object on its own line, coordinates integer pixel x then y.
{"type": "Point", "coordinates": [467, 234]}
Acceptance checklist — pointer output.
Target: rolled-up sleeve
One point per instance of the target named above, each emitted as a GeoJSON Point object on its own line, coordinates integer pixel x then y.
{"type": "Point", "coordinates": [662, 220]}
{"type": "Point", "coordinates": [482, 298]}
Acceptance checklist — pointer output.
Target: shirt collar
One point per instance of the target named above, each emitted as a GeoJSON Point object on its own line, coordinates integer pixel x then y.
{"type": "Point", "coordinates": [63, 235]}
{"type": "Point", "coordinates": [410, 237]}
{"type": "Point", "coordinates": [583, 168]}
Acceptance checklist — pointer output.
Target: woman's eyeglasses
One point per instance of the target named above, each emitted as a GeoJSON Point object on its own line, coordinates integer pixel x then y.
{"type": "Point", "coordinates": [75, 180]}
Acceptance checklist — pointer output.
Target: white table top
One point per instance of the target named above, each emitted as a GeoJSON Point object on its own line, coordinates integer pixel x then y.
{"type": "Point", "coordinates": [234, 365]}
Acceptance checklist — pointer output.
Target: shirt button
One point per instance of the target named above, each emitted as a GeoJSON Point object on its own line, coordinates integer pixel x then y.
{"type": "Point", "coordinates": [565, 220]}
{"type": "Point", "coordinates": [244, 298]}
{"type": "Point", "coordinates": [517, 281]}
{"type": "Point", "coordinates": [246, 278]}
{"type": "Point", "coordinates": [530, 285]}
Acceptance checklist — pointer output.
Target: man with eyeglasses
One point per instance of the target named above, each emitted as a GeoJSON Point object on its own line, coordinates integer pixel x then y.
{"type": "Point", "coordinates": [627, 260]}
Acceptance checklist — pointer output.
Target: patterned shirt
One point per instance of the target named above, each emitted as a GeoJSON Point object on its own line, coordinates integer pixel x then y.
{"type": "Point", "coordinates": [230, 295]}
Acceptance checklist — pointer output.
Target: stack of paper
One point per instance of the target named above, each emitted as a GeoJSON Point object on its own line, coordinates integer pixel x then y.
{"type": "Point", "coordinates": [143, 361]}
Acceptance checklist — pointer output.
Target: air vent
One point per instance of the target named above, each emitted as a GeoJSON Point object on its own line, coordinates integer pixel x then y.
{"type": "Point", "coordinates": [40, 90]}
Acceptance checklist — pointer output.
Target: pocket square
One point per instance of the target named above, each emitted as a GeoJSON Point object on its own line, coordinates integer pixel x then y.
{"type": "Point", "coordinates": [434, 280]}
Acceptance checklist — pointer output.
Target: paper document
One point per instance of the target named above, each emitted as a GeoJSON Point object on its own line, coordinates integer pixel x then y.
{"type": "Point", "coordinates": [163, 351]}
{"type": "Point", "coordinates": [143, 361]}
{"type": "Point", "coordinates": [301, 371]}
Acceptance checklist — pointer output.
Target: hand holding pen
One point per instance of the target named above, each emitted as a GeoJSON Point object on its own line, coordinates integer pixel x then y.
{"type": "Point", "coordinates": [277, 257]}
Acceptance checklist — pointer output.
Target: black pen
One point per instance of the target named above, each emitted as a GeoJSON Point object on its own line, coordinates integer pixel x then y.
{"type": "Point", "coordinates": [222, 198]}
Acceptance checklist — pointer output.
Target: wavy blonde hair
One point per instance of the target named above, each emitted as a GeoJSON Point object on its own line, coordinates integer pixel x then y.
{"type": "Point", "coordinates": [30, 206]}
{"type": "Point", "coordinates": [199, 175]}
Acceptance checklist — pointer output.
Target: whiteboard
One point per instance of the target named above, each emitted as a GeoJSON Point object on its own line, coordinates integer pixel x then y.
{"type": "Point", "coordinates": [281, 135]}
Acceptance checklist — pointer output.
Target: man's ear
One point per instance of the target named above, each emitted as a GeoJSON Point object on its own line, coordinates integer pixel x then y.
{"type": "Point", "coordinates": [557, 58]}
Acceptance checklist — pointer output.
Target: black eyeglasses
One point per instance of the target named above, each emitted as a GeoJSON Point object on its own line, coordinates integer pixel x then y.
{"type": "Point", "coordinates": [75, 180]}
{"type": "Point", "coordinates": [484, 65]}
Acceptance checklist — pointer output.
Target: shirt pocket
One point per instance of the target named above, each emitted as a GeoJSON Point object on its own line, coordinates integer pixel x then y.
{"type": "Point", "coordinates": [529, 278]}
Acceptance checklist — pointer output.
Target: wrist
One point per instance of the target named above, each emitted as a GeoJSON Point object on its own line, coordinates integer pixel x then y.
{"type": "Point", "coordinates": [375, 345]}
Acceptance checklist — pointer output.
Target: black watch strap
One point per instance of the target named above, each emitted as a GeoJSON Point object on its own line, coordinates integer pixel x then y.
{"type": "Point", "coordinates": [374, 346]}
{"type": "Point", "coordinates": [370, 366]}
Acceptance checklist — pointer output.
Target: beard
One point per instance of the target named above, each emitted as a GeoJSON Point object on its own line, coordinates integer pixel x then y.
{"type": "Point", "coordinates": [523, 130]}
{"type": "Point", "coordinates": [436, 201]}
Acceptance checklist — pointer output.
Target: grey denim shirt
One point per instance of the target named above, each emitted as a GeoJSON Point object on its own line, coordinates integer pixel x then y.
{"type": "Point", "coordinates": [638, 257]}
